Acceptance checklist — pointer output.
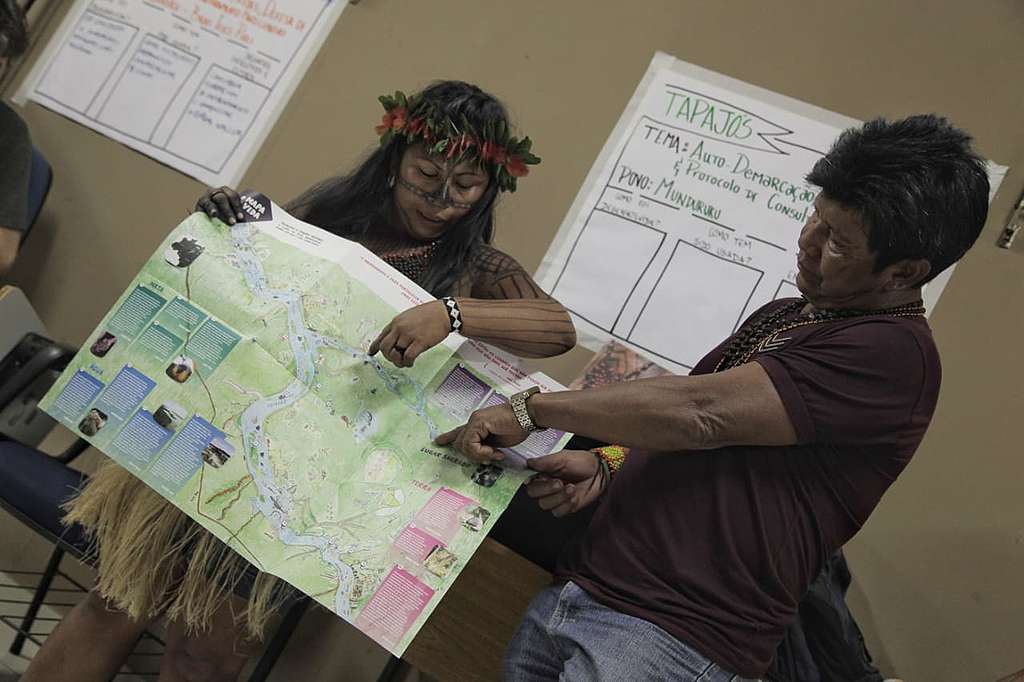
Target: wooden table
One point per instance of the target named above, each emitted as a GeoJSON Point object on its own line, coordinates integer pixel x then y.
{"type": "Point", "coordinates": [466, 636]}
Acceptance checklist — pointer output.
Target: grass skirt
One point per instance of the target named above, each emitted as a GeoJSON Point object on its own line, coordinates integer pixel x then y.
{"type": "Point", "coordinates": [154, 560]}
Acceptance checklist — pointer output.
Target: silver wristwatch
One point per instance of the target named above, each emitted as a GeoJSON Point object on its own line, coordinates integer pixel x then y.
{"type": "Point", "coordinates": [518, 403]}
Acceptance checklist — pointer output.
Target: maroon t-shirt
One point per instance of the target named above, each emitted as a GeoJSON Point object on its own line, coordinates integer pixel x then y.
{"type": "Point", "coordinates": [718, 546]}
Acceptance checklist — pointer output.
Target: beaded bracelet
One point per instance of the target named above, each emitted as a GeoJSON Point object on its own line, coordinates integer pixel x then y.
{"type": "Point", "coordinates": [611, 457]}
{"type": "Point", "coordinates": [454, 314]}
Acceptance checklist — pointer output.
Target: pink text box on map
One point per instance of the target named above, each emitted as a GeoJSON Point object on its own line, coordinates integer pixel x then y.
{"type": "Point", "coordinates": [415, 543]}
{"type": "Point", "coordinates": [394, 607]}
{"type": "Point", "coordinates": [440, 515]}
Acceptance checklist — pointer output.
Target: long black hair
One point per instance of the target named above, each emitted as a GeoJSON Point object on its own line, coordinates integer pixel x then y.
{"type": "Point", "coordinates": [351, 205]}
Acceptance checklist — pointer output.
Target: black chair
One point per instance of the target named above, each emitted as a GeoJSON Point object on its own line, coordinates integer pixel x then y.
{"type": "Point", "coordinates": [33, 485]}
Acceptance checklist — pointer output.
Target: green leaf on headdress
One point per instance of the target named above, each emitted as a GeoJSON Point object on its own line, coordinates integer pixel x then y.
{"type": "Point", "coordinates": [385, 101]}
{"type": "Point", "coordinates": [386, 138]}
{"type": "Point", "coordinates": [401, 99]}
{"type": "Point", "coordinates": [529, 159]}
{"type": "Point", "coordinates": [440, 146]}
{"type": "Point", "coordinates": [506, 182]}
{"type": "Point", "coordinates": [524, 146]}
{"type": "Point", "coordinates": [468, 128]}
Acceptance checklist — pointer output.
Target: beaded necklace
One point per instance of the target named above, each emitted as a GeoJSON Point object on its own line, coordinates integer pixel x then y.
{"type": "Point", "coordinates": [755, 336]}
{"type": "Point", "coordinates": [412, 263]}
{"type": "Point", "coordinates": [408, 257]}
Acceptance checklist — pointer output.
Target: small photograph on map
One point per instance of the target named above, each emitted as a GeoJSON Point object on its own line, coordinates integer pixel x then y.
{"type": "Point", "coordinates": [181, 368]}
{"type": "Point", "coordinates": [92, 422]}
{"type": "Point", "coordinates": [102, 345]}
{"type": "Point", "coordinates": [184, 251]}
{"type": "Point", "coordinates": [170, 415]}
{"type": "Point", "coordinates": [440, 561]}
{"type": "Point", "coordinates": [487, 475]}
{"type": "Point", "coordinates": [218, 452]}
{"type": "Point", "coordinates": [474, 518]}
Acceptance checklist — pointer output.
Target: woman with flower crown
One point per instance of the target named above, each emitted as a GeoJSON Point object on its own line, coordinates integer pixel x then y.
{"type": "Point", "coordinates": [424, 202]}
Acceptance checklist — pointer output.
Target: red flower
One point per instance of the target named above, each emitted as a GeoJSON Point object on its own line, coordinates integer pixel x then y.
{"type": "Point", "coordinates": [392, 120]}
{"type": "Point", "coordinates": [385, 123]}
{"type": "Point", "coordinates": [515, 167]}
{"type": "Point", "coordinates": [416, 125]}
{"type": "Point", "coordinates": [492, 152]}
{"type": "Point", "coordinates": [398, 120]}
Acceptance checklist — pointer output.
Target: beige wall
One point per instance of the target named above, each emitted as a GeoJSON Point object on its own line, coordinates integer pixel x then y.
{"type": "Point", "coordinates": [938, 567]}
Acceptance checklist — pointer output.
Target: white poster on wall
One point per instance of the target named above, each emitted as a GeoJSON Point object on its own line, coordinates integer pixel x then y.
{"type": "Point", "coordinates": [196, 84]}
{"type": "Point", "coordinates": [688, 220]}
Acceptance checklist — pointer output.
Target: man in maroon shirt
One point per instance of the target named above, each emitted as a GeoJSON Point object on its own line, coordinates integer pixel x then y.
{"type": "Point", "coordinates": [746, 475]}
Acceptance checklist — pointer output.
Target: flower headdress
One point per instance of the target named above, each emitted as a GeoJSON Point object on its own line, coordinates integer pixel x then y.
{"type": "Point", "coordinates": [508, 158]}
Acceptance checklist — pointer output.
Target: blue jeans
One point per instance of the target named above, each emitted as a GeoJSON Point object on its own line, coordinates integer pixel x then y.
{"type": "Point", "coordinates": [565, 635]}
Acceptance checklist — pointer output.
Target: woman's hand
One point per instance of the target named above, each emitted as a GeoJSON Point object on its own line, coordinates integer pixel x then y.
{"type": "Point", "coordinates": [223, 203]}
{"type": "Point", "coordinates": [412, 332]}
{"type": "Point", "coordinates": [566, 481]}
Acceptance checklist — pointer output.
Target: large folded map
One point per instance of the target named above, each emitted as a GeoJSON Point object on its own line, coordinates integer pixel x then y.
{"type": "Point", "coordinates": [232, 377]}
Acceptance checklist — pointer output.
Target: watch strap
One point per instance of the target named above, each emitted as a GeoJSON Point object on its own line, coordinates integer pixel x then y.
{"type": "Point", "coordinates": [518, 403]}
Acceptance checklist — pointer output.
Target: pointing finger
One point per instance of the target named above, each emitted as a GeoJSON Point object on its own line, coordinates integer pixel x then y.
{"type": "Point", "coordinates": [448, 437]}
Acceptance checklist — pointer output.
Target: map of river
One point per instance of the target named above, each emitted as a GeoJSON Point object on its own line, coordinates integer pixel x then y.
{"type": "Point", "coordinates": [232, 377]}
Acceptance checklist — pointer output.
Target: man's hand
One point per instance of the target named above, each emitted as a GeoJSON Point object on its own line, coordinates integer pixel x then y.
{"type": "Point", "coordinates": [487, 429]}
{"type": "Point", "coordinates": [567, 481]}
{"type": "Point", "coordinates": [412, 332]}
